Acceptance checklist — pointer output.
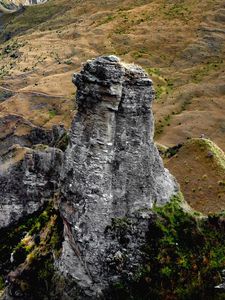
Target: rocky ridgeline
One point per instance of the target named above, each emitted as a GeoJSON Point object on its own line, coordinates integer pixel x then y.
{"type": "Point", "coordinates": [112, 174]}
{"type": "Point", "coordinates": [108, 180]}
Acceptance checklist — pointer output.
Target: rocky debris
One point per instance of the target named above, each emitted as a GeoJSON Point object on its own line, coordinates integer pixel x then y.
{"type": "Point", "coordinates": [28, 178]}
{"type": "Point", "coordinates": [112, 175]}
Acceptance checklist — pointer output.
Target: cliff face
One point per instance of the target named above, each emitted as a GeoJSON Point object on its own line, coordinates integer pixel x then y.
{"type": "Point", "coordinates": [29, 168]}
{"type": "Point", "coordinates": [28, 179]}
{"type": "Point", "coordinates": [112, 173]}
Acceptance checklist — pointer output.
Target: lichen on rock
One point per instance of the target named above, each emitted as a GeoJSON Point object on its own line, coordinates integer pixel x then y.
{"type": "Point", "coordinates": [112, 170]}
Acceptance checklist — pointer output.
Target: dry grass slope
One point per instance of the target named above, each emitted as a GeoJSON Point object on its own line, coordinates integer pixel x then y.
{"type": "Point", "coordinates": [180, 43]}
{"type": "Point", "coordinates": [199, 167]}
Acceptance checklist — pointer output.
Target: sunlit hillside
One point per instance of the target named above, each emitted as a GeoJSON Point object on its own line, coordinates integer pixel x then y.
{"type": "Point", "coordinates": [180, 44]}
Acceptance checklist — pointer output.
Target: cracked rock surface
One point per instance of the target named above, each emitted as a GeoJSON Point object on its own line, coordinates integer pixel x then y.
{"type": "Point", "coordinates": [112, 175]}
{"type": "Point", "coordinates": [28, 179]}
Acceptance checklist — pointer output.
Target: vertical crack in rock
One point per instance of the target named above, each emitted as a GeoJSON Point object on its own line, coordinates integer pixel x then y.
{"type": "Point", "coordinates": [112, 172]}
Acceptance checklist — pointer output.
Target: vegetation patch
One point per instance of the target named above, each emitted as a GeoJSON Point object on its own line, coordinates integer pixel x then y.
{"type": "Point", "coordinates": [177, 11]}
{"type": "Point", "coordinates": [159, 126]}
{"type": "Point", "coordinates": [62, 142]}
{"type": "Point", "coordinates": [28, 249]}
{"type": "Point", "coordinates": [183, 257]}
{"type": "Point", "coordinates": [31, 17]}
{"type": "Point", "coordinates": [210, 67]}
{"type": "Point", "coordinates": [163, 86]}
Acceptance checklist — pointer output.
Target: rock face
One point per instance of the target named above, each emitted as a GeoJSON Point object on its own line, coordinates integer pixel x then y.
{"type": "Point", "coordinates": [28, 179]}
{"type": "Point", "coordinates": [112, 175]}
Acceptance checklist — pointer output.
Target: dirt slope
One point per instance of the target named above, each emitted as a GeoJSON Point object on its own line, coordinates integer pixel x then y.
{"type": "Point", "coordinates": [199, 167]}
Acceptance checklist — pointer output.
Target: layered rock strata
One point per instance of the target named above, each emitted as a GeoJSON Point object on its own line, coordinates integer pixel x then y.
{"type": "Point", "coordinates": [112, 175]}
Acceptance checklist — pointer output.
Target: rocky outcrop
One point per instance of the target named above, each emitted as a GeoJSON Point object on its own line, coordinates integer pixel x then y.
{"type": "Point", "coordinates": [28, 179]}
{"type": "Point", "coordinates": [112, 175]}
{"type": "Point", "coordinates": [13, 6]}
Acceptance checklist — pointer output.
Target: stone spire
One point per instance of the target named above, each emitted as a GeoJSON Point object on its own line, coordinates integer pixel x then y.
{"type": "Point", "coordinates": [112, 172]}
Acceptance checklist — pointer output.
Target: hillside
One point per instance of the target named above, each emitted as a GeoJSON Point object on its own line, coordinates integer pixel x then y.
{"type": "Point", "coordinates": [87, 209]}
{"type": "Point", "coordinates": [180, 44]}
{"type": "Point", "coordinates": [199, 166]}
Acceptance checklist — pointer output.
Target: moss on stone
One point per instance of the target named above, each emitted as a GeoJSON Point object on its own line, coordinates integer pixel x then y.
{"type": "Point", "coordinates": [2, 283]}
{"type": "Point", "coordinates": [184, 253]}
{"type": "Point", "coordinates": [183, 256]}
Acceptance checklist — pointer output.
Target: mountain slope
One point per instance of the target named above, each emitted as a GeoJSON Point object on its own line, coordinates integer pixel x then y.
{"type": "Point", "coordinates": [179, 43]}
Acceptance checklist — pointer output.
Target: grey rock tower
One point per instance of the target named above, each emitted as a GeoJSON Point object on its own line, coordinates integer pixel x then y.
{"type": "Point", "coordinates": [112, 174]}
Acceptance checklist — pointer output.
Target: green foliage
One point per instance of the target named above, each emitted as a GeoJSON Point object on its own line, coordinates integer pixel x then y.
{"type": "Point", "coordinates": [2, 283]}
{"type": "Point", "coordinates": [120, 223]}
{"type": "Point", "coordinates": [55, 242]}
{"type": "Point", "coordinates": [161, 124]}
{"type": "Point", "coordinates": [185, 252]}
{"type": "Point", "coordinates": [166, 271]}
{"type": "Point", "coordinates": [153, 71]}
{"type": "Point", "coordinates": [40, 221]}
{"type": "Point", "coordinates": [31, 17]}
{"type": "Point", "coordinates": [11, 47]}
{"type": "Point", "coordinates": [200, 73]}
{"type": "Point", "coordinates": [62, 142]}
{"type": "Point", "coordinates": [177, 10]}
{"type": "Point", "coordinates": [52, 113]}
{"type": "Point", "coordinates": [21, 241]}
{"type": "Point", "coordinates": [4, 71]}
{"type": "Point", "coordinates": [183, 256]}
{"type": "Point", "coordinates": [164, 85]}
{"type": "Point", "coordinates": [106, 20]}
